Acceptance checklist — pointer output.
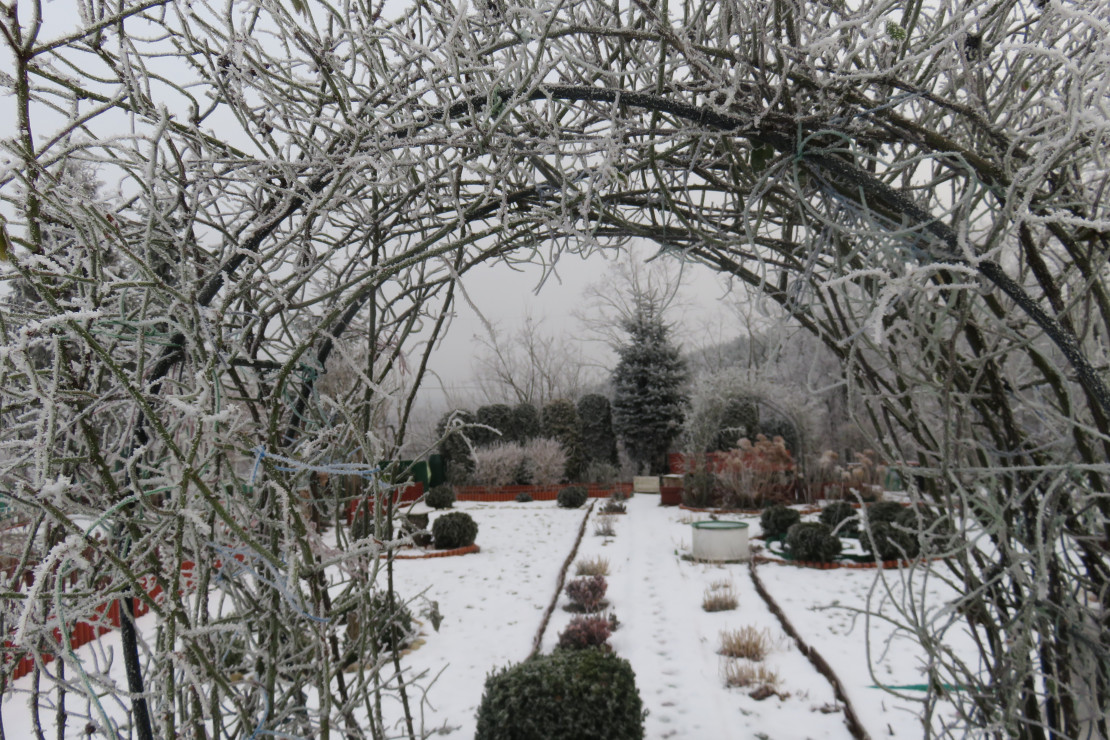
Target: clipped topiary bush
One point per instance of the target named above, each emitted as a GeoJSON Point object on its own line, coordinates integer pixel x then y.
{"type": "Point", "coordinates": [812, 541]}
{"type": "Point", "coordinates": [883, 511]}
{"type": "Point", "coordinates": [843, 515]}
{"type": "Point", "coordinates": [585, 632]}
{"type": "Point", "coordinates": [887, 541]}
{"type": "Point", "coordinates": [456, 529]}
{"type": "Point", "coordinates": [568, 695]}
{"type": "Point", "coordinates": [440, 497]}
{"type": "Point", "coordinates": [776, 520]}
{"type": "Point", "coordinates": [572, 497]}
{"type": "Point", "coordinates": [523, 498]}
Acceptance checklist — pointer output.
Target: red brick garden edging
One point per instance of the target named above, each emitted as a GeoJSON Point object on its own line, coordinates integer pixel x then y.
{"type": "Point", "coordinates": [437, 553]}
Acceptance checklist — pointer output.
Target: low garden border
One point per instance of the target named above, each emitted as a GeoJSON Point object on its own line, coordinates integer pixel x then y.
{"type": "Point", "coordinates": [436, 553]}
{"type": "Point", "coordinates": [538, 493]}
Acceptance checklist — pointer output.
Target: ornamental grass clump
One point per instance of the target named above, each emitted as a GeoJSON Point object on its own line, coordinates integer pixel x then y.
{"type": "Point", "coordinates": [720, 597]}
{"type": "Point", "coordinates": [568, 695]}
{"type": "Point", "coordinates": [776, 520]}
{"type": "Point", "coordinates": [741, 674]}
{"type": "Point", "coordinates": [813, 542]}
{"type": "Point", "coordinates": [454, 530]}
{"type": "Point", "coordinates": [595, 566]}
{"type": "Point", "coordinates": [587, 594]}
{"type": "Point", "coordinates": [586, 632]}
{"type": "Point", "coordinates": [747, 642]}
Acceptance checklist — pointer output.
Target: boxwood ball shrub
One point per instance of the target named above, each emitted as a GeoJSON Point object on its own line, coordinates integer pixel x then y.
{"type": "Point", "coordinates": [883, 511]}
{"type": "Point", "coordinates": [572, 497]}
{"type": "Point", "coordinates": [568, 695]}
{"type": "Point", "coordinates": [523, 498]}
{"type": "Point", "coordinates": [440, 497]}
{"type": "Point", "coordinates": [776, 520]}
{"type": "Point", "coordinates": [812, 541]}
{"type": "Point", "coordinates": [926, 527]}
{"type": "Point", "coordinates": [456, 529]}
{"type": "Point", "coordinates": [887, 541]}
{"type": "Point", "coordinates": [841, 511]}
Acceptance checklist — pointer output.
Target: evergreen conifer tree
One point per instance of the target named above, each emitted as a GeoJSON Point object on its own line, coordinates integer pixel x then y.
{"type": "Point", "coordinates": [649, 399]}
{"type": "Point", "coordinates": [560, 422]}
{"type": "Point", "coordinates": [526, 422]}
{"type": "Point", "coordinates": [595, 415]}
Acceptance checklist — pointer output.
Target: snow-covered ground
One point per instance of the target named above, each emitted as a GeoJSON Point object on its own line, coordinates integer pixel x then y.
{"type": "Point", "coordinates": [493, 602]}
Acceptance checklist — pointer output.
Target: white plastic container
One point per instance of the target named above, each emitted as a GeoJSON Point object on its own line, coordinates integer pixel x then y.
{"type": "Point", "coordinates": [720, 541]}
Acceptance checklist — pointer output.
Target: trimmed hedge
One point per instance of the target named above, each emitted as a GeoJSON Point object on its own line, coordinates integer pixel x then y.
{"type": "Point", "coordinates": [568, 695]}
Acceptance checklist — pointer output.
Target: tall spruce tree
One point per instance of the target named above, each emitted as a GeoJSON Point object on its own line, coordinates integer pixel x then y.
{"type": "Point", "coordinates": [649, 399]}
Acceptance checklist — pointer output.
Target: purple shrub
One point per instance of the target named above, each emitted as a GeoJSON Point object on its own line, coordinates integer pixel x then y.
{"type": "Point", "coordinates": [585, 632]}
{"type": "Point", "coordinates": [587, 592]}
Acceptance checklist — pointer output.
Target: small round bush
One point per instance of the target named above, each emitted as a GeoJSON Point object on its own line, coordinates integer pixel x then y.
{"type": "Point", "coordinates": [776, 520]}
{"type": "Point", "coordinates": [587, 593]}
{"type": "Point", "coordinates": [812, 541]}
{"type": "Point", "coordinates": [572, 497]}
{"type": "Point", "coordinates": [440, 497]}
{"type": "Point", "coordinates": [568, 695]}
{"type": "Point", "coordinates": [456, 529]}
{"type": "Point", "coordinates": [585, 632]}
{"type": "Point", "coordinates": [841, 517]}
{"type": "Point", "coordinates": [389, 624]}
{"type": "Point", "coordinates": [926, 528]}
{"type": "Point", "coordinates": [883, 511]}
{"type": "Point", "coordinates": [887, 541]}
{"type": "Point", "coordinates": [523, 498]}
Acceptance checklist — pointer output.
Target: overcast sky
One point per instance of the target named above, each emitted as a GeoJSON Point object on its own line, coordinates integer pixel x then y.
{"type": "Point", "coordinates": [704, 313]}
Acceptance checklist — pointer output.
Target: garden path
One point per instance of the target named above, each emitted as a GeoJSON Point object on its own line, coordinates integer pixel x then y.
{"type": "Point", "coordinates": [672, 643]}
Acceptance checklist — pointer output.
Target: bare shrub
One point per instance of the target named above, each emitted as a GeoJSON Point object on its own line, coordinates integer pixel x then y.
{"type": "Point", "coordinates": [498, 464]}
{"type": "Point", "coordinates": [604, 526]}
{"type": "Point", "coordinates": [547, 459]}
